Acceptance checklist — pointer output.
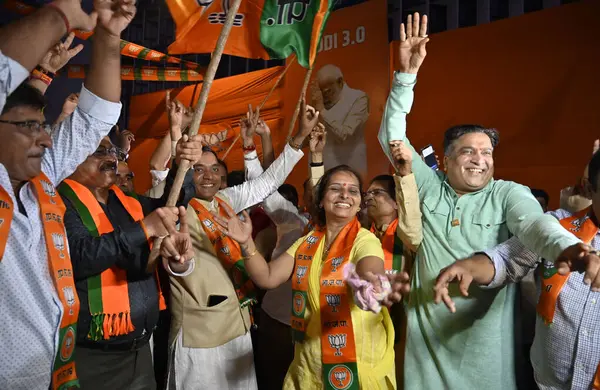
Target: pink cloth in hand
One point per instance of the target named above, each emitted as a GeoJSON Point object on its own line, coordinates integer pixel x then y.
{"type": "Point", "coordinates": [365, 295]}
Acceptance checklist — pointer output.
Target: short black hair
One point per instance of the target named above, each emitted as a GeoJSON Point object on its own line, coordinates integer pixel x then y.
{"type": "Point", "coordinates": [321, 188]}
{"type": "Point", "coordinates": [289, 192]}
{"type": "Point", "coordinates": [455, 132]}
{"type": "Point", "coordinates": [235, 178]}
{"type": "Point", "coordinates": [540, 194]}
{"type": "Point", "coordinates": [24, 96]}
{"type": "Point", "coordinates": [593, 170]}
{"type": "Point", "coordinates": [388, 183]}
{"type": "Point", "coordinates": [222, 163]}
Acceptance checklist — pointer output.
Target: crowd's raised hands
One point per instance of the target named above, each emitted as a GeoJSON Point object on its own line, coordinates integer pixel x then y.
{"type": "Point", "coordinates": [180, 116]}
{"type": "Point", "coordinates": [58, 56]}
{"type": "Point", "coordinates": [402, 155]}
{"type": "Point", "coordinates": [114, 15]}
{"type": "Point", "coordinates": [317, 139]}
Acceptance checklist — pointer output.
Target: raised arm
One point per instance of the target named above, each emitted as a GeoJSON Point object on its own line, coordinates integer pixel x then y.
{"type": "Point", "coordinates": [410, 225]}
{"type": "Point", "coordinates": [255, 191]}
{"type": "Point", "coordinates": [178, 120]}
{"type": "Point", "coordinates": [267, 143]}
{"type": "Point", "coordinates": [99, 108]}
{"type": "Point", "coordinates": [411, 54]}
{"type": "Point", "coordinates": [28, 39]}
{"type": "Point", "coordinates": [56, 58]}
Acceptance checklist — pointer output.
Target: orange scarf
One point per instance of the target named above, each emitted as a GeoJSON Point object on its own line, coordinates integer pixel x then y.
{"type": "Point", "coordinates": [52, 211]}
{"type": "Point", "coordinates": [338, 348]}
{"type": "Point", "coordinates": [584, 228]}
{"type": "Point", "coordinates": [392, 248]}
{"type": "Point", "coordinates": [228, 251]}
{"type": "Point", "coordinates": [108, 293]}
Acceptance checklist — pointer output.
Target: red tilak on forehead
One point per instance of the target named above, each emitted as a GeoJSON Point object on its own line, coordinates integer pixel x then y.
{"type": "Point", "coordinates": [345, 184]}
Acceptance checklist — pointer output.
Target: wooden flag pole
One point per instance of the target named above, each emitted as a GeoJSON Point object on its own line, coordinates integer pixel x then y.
{"type": "Point", "coordinates": [261, 104]}
{"type": "Point", "coordinates": [298, 104]}
{"type": "Point", "coordinates": [198, 112]}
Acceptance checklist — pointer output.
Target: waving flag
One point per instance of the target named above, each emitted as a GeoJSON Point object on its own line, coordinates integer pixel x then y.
{"type": "Point", "coordinates": [267, 29]}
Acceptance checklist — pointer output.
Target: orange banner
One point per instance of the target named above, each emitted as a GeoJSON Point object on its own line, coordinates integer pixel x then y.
{"type": "Point", "coordinates": [199, 24]}
{"type": "Point", "coordinates": [227, 103]}
{"type": "Point", "coordinates": [350, 77]}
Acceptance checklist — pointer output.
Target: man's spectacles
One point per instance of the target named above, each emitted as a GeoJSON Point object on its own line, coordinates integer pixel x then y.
{"type": "Point", "coordinates": [33, 127]}
{"type": "Point", "coordinates": [104, 151]}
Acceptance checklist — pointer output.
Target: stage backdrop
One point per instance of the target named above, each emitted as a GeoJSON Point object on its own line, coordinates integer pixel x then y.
{"type": "Point", "coordinates": [355, 40]}
{"type": "Point", "coordinates": [535, 78]}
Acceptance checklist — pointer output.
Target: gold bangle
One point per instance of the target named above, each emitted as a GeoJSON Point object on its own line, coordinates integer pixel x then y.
{"type": "Point", "coordinates": [251, 254]}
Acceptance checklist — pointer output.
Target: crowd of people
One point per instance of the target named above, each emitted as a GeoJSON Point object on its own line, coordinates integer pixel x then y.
{"type": "Point", "coordinates": [411, 284]}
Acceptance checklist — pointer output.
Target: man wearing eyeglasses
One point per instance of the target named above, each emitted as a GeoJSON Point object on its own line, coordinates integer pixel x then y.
{"type": "Point", "coordinates": [109, 230]}
{"type": "Point", "coordinates": [39, 303]}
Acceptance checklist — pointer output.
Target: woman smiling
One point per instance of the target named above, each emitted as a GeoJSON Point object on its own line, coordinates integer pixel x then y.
{"type": "Point", "coordinates": [338, 345]}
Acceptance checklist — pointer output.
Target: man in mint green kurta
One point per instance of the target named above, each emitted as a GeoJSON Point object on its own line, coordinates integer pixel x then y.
{"type": "Point", "coordinates": [464, 211]}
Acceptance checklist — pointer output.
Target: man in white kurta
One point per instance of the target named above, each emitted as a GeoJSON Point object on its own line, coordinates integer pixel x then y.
{"type": "Point", "coordinates": [344, 112]}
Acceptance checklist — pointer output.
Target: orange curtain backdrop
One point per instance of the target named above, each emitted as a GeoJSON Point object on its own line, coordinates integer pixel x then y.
{"type": "Point", "coordinates": [365, 66]}
{"type": "Point", "coordinates": [535, 78]}
{"type": "Point", "coordinates": [227, 103]}
{"type": "Point", "coordinates": [199, 26]}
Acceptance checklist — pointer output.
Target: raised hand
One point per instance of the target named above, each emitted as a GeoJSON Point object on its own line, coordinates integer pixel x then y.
{"type": "Point", "coordinates": [262, 128]}
{"type": "Point", "coordinates": [317, 139]}
{"type": "Point", "coordinates": [175, 111]}
{"type": "Point", "coordinates": [402, 156]}
{"type": "Point", "coordinates": [60, 54]}
{"type": "Point", "coordinates": [309, 117]}
{"type": "Point", "coordinates": [114, 15]}
{"type": "Point", "coordinates": [596, 146]}
{"type": "Point", "coordinates": [126, 138]}
{"type": "Point", "coordinates": [413, 38]}
{"type": "Point", "coordinates": [234, 227]}
{"type": "Point", "coordinates": [177, 246]}
{"type": "Point", "coordinates": [70, 104]}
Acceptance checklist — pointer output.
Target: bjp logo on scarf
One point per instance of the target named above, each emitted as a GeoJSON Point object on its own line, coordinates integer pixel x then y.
{"type": "Point", "coordinates": [68, 345]}
{"type": "Point", "coordinates": [299, 303]}
{"type": "Point", "coordinates": [340, 377]}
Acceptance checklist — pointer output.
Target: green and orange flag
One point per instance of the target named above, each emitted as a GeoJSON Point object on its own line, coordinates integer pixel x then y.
{"type": "Point", "coordinates": [267, 29]}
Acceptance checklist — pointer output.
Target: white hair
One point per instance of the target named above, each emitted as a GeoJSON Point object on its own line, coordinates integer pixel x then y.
{"type": "Point", "coordinates": [328, 71]}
